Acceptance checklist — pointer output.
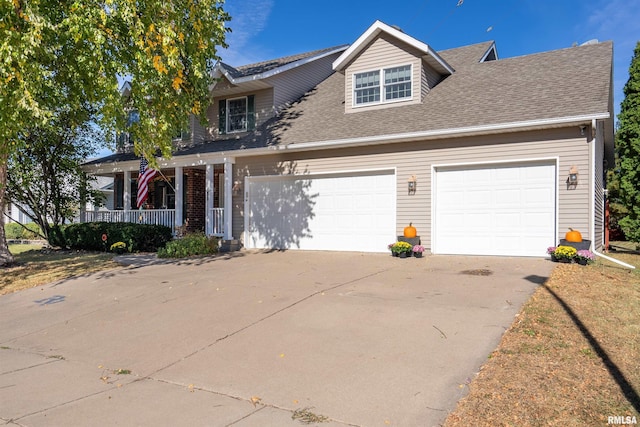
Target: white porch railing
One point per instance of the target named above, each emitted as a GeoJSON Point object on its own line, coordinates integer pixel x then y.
{"type": "Point", "coordinates": [153, 216]}
{"type": "Point", "coordinates": [216, 215]}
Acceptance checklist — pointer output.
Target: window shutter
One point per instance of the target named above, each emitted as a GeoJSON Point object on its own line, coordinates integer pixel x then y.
{"type": "Point", "coordinates": [222, 114]}
{"type": "Point", "coordinates": [251, 112]}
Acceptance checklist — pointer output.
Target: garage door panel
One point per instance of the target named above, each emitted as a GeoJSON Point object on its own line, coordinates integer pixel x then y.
{"type": "Point", "coordinates": [333, 212]}
{"type": "Point", "coordinates": [500, 210]}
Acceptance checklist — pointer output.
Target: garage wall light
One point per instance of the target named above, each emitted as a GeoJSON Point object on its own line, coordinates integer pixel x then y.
{"type": "Point", "coordinates": [237, 188]}
{"type": "Point", "coordinates": [412, 184]}
{"type": "Point", "coordinates": [572, 179]}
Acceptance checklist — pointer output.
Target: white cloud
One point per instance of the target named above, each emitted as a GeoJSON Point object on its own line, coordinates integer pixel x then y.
{"type": "Point", "coordinates": [249, 18]}
{"type": "Point", "coordinates": [616, 20]}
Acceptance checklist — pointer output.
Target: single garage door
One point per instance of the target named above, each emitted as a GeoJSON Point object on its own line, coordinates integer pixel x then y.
{"type": "Point", "coordinates": [495, 210]}
{"type": "Point", "coordinates": [341, 212]}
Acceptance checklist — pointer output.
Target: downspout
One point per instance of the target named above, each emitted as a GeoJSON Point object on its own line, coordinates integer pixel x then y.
{"type": "Point", "coordinates": [592, 191]}
{"type": "Point", "coordinates": [617, 261]}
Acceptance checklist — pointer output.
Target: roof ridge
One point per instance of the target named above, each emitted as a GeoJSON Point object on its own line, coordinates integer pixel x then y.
{"type": "Point", "coordinates": [290, 58]}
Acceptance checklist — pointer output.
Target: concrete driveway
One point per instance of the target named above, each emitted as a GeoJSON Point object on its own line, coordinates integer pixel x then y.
{"type": "Point", "coordinates": [250, 338]}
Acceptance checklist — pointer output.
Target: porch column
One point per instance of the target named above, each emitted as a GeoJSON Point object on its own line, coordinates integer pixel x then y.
{"type": "Point", "coordinates": [228, 198]}
{"type": "Point", "coordinates": [179, 198]}
{"type": "Point", "coordinates": [209, 200]}
{"type": "Point", "coordinates": [126, 191]}
{"type": "Point", "coordinates": [83, 199]}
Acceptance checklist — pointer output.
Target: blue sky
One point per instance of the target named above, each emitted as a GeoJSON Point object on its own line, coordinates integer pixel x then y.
{"type": "Point", "coordinates": [267, 29]}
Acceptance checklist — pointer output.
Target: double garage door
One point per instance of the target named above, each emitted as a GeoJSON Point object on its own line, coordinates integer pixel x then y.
{"type": "Point", "coordinates": [344, 212]}
{"type": "Point", "coordinates": [505, 210]}
{"type": "Point", "coordinates": [495, 210]}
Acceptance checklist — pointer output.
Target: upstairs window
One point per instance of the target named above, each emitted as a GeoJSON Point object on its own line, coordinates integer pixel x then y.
{"type": "Point", "coordinates": [237, 114]}
{"type": "Point", "coordinates": [395, 85]}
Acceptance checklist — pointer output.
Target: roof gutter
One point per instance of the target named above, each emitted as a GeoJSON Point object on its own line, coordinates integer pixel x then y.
{"type": "Point", "coordinates": [423, 135]}
{"type": "Point", "coordinates": [199, 159]}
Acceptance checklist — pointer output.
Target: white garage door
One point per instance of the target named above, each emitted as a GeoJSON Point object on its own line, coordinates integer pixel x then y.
{"type": "Point", "coordinates": [497, 210]}
{"type": "Point", "coordinates": [343, 212]}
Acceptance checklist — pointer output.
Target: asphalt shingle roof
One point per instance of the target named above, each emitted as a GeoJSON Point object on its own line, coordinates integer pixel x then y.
{"type": "Point", "coordinates": [562, 83]}
{"type": "Point", "coordinates": [264, 66]}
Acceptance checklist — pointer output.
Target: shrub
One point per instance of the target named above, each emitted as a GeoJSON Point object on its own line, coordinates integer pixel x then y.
{"type": "Point", "coordinates": [189, 245]}
{"type": "Point", "coordinates": [137, 237]}
{"type": "Point", "coordinates": [13, 231]}
{"type": "Point", "coordinates": [29, 231]}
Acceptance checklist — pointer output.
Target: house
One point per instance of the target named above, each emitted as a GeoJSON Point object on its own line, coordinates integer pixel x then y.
{"type": "Point", "coordinates": [340, 149]}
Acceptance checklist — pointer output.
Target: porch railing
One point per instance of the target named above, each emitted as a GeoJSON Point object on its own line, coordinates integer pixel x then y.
{"type": "Point", "coordinates": [217, 221]}
{"type": "Point", "coordinates": [153, 216]}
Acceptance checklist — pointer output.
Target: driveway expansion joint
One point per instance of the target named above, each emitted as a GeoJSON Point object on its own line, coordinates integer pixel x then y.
{"type": "Point", "coordinates": [275, 313]}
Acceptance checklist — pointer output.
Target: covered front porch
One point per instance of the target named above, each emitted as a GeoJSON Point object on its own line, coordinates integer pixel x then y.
{"type": "Point", "coordinates": [185, 195]}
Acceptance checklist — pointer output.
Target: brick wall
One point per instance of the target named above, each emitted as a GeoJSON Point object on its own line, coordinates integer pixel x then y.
{"type": "Point", "coordinates": [196, 202]}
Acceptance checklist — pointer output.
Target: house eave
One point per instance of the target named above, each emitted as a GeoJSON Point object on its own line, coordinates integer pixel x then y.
{"type": "Point", "coordinates": [374, 31]}
{"type": "Point", "coordinates": [201, 159]}
{"type": "Point", "coordinates": [529, 125]}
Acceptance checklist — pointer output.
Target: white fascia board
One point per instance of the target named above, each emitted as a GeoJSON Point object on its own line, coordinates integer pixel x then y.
{"type": "Point", "coordinates": [191, 160]}
{"type": "Point", "coordinates": [372, 32]}
{"type": "Point", "coordinates": [201, 159]}
{"type": "Point", "coordinates": [426, 135]}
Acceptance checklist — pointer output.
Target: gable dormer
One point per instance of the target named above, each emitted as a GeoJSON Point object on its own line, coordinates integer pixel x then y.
{"type": "Point", "coordinates": [385, 67]}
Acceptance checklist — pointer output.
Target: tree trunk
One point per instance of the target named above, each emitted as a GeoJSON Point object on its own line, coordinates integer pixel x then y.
{"type": "Point", "coordinates": [6, 258]}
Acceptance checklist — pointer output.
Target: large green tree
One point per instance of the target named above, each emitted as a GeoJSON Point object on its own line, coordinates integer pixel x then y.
{"type": "Point", "coordinates": [45, 174]}
{"type": "Point", "coordinates": [628, 151]}
{"type": "Point", "coordinates": [61, 52]}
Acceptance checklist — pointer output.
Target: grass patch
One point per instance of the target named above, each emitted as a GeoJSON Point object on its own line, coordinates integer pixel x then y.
{"type": "Point", "coordinates": [36, 267]}
{"type": "Point", "coordinates": [305, 416]}
{"type": "Point", "coordinates": [572, 357]}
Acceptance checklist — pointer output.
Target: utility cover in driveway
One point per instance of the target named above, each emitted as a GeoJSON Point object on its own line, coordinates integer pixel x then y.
{"type": "Point", "coordinates": [495, 210]}
{"type": "Point", "coordinates": [344, 212]}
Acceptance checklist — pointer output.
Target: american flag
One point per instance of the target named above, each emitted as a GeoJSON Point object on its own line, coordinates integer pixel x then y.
{"type": "Point", "coordinates": [146, 174]}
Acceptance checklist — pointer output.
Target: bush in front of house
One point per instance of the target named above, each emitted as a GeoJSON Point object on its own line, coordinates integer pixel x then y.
{"type": "Point", "coordinates": [137, 237]}
{"type": "Point", "coordinates": [189, 245]}
{"type": "Point", "coordinates": [15, 231]}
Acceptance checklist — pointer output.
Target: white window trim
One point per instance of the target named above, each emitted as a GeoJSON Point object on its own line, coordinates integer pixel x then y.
{"type": "Point", "coordinates": [246, 114]}
{"type": "Point", "coordinates": [383, 100]}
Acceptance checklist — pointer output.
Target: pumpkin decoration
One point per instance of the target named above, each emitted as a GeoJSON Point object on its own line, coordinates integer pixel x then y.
{"type": "Point", "coordinates": [410, 231]}
{"type": "Point", "coordinates": [573, 236]}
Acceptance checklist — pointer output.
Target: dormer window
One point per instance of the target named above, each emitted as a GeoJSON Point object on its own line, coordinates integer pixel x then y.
{"type": "Point", "coordinates": [395, 85]}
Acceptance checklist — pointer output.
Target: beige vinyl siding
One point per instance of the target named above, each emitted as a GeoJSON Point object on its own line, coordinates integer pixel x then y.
{"type": "Point", "coordinates": [263, 109]}
{"type": "Point", "coordinates": [198, 132]}
{"type": "Point", "coordinates": [292, 84]}
{"type": "Point", "coordinates": [598, 180]}
{"type": "Point", "coordinates": [384, 52]}
{"type": "Point", "coordinates": [419, 158]}
{"type": "Point", "coordinates": [430, 78]}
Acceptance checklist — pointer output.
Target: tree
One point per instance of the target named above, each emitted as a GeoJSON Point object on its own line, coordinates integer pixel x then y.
{"type": "Point", "coordinates": [628, 151]}
{"type": "Point", "coordinates": [68, 53]}
{"type": "Point", "coordinates": [44, 173]}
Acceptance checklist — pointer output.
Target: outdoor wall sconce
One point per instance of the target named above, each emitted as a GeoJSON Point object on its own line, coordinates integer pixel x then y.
{"type": "Point", "coordinates": [572, 179]}
{"type": "Point", "coordinates": [237, 188]}
{"type": "Point", "coordinates": [583, 128]}
{"type": "Point", "coordinates": [411, 184]}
